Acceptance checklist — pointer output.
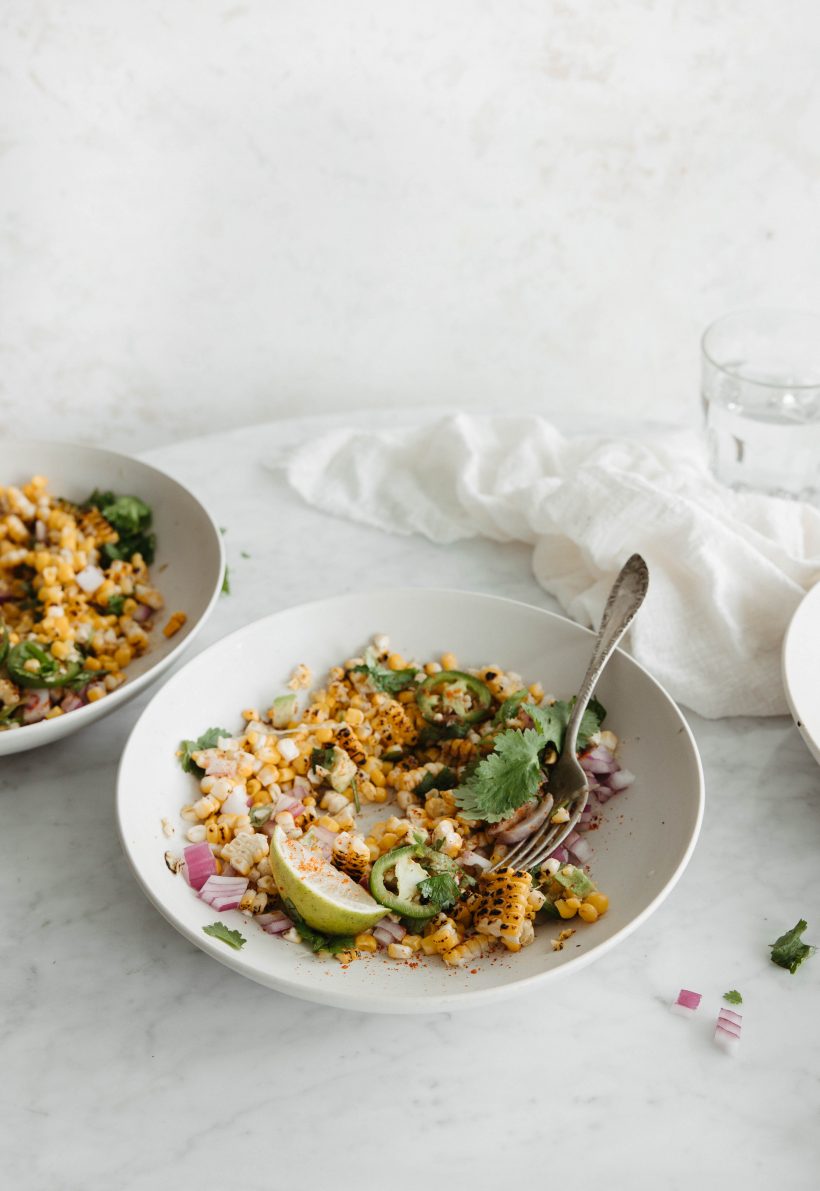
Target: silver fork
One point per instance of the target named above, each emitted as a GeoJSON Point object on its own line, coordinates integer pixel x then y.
{"type": "Point", "coordinates": [568, 784]}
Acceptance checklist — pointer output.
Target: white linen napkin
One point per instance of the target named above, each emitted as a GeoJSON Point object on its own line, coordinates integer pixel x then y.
{"type": "Point", "coordinates": [726, 569]}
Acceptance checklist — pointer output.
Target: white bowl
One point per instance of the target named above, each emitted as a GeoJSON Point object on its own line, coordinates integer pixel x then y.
{"type": "Point", "coordinates": [640, 852]}
{"type": "Point", "coordinates": [801, 665]}
{"type": "Point", "coordinates": [188, 568]}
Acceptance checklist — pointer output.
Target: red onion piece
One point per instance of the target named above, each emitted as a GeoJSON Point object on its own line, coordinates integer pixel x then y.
{"type": "Point", "coordinates": [223, 893]}
{"type": "Point", "coordinates": [581, 850]}
{"type": "Point", "coordinates": [71, 701]}
{"type": "Point", "coordinates": [394, 930]}
{"type": "Point", "coordinates": [323, 837]}
{"type": "Point", "coordinates": [142, 613]}
{"type": "Point", "coordinates": [301, 786]}
{"type": "Point", "coordinates": [560, 854]}
{"type": "Point", "coordinates": [37, 702]}
{"type": "Point", "coordinates": [275, 923]}
{"type": "Point", "coordinates": [524, 826]}
{"type": "Point", "coordinates": [228, 870]}
{"type": "Point", "coordinates": [200, 864]}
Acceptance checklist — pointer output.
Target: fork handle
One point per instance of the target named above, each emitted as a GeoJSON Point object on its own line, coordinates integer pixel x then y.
{"type": "Point", "coordinates": [624, 600]}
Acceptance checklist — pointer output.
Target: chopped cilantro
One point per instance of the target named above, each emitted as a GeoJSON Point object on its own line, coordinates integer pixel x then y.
{"type": "Point", "coordinates": [445, 779]}
{"type": "Point", "coordinates": [433, 733]}
{"type": "Point", "coordinates": [506, 779]}
{"type": "Point", "coordinates": [789, 951]}
{"type": "Point", "coordinates": [441, 889]}
{"type": "Point", "coordinates": [733, 997]}
{"type": "Point", "coordinates": [510, 707]}
{"type": "Point", "coordinates": [218, 930]}
{"type": "Point", "coordinates": [389, 681]}
{"type": "Point", "coordinates": [323, 758]}
{"type": "Point", "coordinates": [131, 518]}
{"type": "Point", "coordinates": [226, 581]}
{"type": "Point", "coordinates": [318, 941]}
{"type": "Point", "coordinates": [244, 554]}
{"type": "Point", "coordinates": [260, 814]}
{"type": "Point", "coordinates": [115, 605]}
{"type": "Point", "coordinates": [208, 740]}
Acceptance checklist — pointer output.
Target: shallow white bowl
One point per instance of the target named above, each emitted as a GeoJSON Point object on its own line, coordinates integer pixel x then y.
{"type": "Point", "coordinates": [640, 852]}
{"type": "Point", "coordinates": [801, 666]}
{"type": "Point", "coordinates": [188, 568]}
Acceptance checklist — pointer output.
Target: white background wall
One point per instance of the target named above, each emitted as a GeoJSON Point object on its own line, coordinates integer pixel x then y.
{"type": "Point", "coordinates": [218, 211]}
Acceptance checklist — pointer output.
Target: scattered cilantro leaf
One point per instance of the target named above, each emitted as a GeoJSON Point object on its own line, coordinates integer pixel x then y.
{"type": "Point", "coordinates": [441, 889]}
{"type": "Point", "coordinates": [445, 779]}
{"type": "Point", "coordinates": [552, 720]}
{"type": "Point", "coordinates": [318, 941]}
{"type": "Point", "coordinates": [218, 930]}
{"type": "Point", "coordinates": [789, 951]}
{"type": "Point", "coordinates": [323, 758]}
{"type": "Point", "coordinates": [260, 814]}
{"type": "Point", "coordinates": [244, 554]}
{"type": "Point", "coordinates": [506, 779]}
{"type": "Point", "coordinates": [389, 681]}
{"type": "Point", "coordinates": [433, 733]}
{"type": "Point", "coordinates": [208, 740]}
{"type": "Point", "coordinates": [226, 581]}
{"type": "Point", "coordinates": [115, 605]}
{"type": "Point", "coordinates": [733, 997]}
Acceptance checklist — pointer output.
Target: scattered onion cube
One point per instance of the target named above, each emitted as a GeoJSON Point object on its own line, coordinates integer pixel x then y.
{"type": "Point", "coordinates": [686, 1003]}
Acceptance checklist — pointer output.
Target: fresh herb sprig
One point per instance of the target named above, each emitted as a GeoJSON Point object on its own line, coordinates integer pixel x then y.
{"type": "Point", "coordinates": [389, 681]}
{"type": "Point", "coordinates": [317, 940]}
{"type": "Point", "coordinates": [131, 518]}
{"type": "Point", "coordinates": [218, 930]}
{"type": "Point", "coordinates": [789, 950]}
{"type": "Point", "coordinates": [208, 740]}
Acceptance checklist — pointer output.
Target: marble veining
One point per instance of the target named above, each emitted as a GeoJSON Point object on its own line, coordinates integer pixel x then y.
{"type": "Point", "coordinates": [132, 1062]}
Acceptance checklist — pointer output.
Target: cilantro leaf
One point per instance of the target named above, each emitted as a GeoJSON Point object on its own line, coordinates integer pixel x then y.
{"type": "Point", "coordinates": [506, 779]}
{"type": "Point", "coordinates": [788, 951]}
{"type": "Point", "coordinates": [226, 581]}
{"type": "Point", "coordinates": [323, 758]}
{"type": "Point", "coordinates": [218, 930]}
{"type": "Point", "coordinates": [733, 997]}
{"type": "Point", "coordinates": [318, 941]}
{"type": "Point", "coordinates": [441, 889]}
{"type": "Point", "coordinates": [434, 733]}
{"type": "Point", "coordinates": [552, 720]}
{"type": "Point", "coordinates": [131, 518]}
{"type": "Point", "coordinates": [445, 779]}
{"type": "Point", "coordinates": [115, 605]}
{"type": "Point", "coordinates": [389, 681]}
{"type": "Point", "coordinates": [244, 554]}
{"type": "Point", "coordinates": [208, 740]}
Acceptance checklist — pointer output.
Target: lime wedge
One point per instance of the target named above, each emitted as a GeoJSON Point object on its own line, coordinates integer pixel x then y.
{"type": "Point", "coordinates": [327, 899]}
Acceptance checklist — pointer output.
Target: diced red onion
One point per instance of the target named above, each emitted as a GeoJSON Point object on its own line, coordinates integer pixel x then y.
{"type": "Point", "coordinates": [36, 704]}
{"type": "Point", "coordinates": [592, 764]}
{"type": "Point", "coordinates": [387, 929]}
{"type": "Point", "coordinates": [276, 923]}
{"type": "Point", "coordinates": [581, 850]}
{"type": "Point", "coordinates": [142, 613]}
{"type": "Point", "coordinates": [323, 837]}
{"type": "Point", "coordinates": [729, 1017]}
{"type": "Point", "coordinates": [71, 701]}
{"type": "Point", "coordinates": [228, 870]}
{"type": "Point", "coordinates": [296, 809]}
{"type": "Point", "coordinates": [301, 786]}
{"type": "Point", "coordinates": [560, 854]}
{"type": "Point", "coordinates": [200, 864]}
{"type": "Point", "coordinates": [89, 579]}
{"type": "Point", "coordinates": [223, 893]}
{"type": "Point", "coordinates": [686, 1003]}
{"type": "Point", "coordinates": [620, 780]}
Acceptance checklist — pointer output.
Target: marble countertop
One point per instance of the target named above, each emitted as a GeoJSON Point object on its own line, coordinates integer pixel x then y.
{"type": "Point", "coordinates": [132, 1062]}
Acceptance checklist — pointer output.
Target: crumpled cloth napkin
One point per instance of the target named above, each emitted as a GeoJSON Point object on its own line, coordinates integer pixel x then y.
{"type": "Point", "coordinates": [727, 569]}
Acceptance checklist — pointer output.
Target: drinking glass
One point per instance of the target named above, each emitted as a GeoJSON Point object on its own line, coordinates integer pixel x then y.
{"type": "Point", "coordinates": [761, 401]}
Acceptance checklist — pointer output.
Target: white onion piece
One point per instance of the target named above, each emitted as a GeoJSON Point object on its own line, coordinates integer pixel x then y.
{"type": "Point", "coordinates": [236, 803]}
{"type": "Point", "coordinates": [89, 579]}
{"type": "Point", "coordinates": [474, 858]}
{"type": "Point", "coordinates": [289, 749]}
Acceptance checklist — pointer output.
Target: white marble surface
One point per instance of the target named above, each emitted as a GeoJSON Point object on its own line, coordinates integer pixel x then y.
{"type": "Point", "coordinates": [218, 211]}
{"type": "Point", "coordinates": [133, 1062]}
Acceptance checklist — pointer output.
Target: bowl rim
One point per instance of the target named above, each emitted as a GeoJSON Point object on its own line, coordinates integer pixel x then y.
{"type": "Point", "coordinates": [791, 657]}
{"type": "Point", "coordinates": [402, 1003]}
{"type": "Point", "coordinates": [45, 730]}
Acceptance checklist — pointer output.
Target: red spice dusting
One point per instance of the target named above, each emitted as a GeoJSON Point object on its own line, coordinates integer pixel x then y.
{"type": "Point", "coordinates": [473, 971]}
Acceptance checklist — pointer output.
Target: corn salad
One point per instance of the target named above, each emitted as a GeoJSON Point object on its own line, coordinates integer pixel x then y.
{"type": "Point", "coordinates": [369, 763]}
{"type": "Point", "coordinates": [73, 615]}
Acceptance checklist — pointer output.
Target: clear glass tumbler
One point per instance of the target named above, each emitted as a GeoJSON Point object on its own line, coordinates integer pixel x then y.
{"type": "Point", "coordinates": [761, 400]}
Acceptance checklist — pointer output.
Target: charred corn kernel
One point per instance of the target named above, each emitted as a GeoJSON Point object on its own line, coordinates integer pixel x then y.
{"type": "Point", "coordinates": [501, 905]}
{"type": "Point", "coordinates": [216, 832]}
{"type": "Point", "coordinates": [196, 835]}
{"type": "Point", "coordinates": [123, 655]}
{"type": "Point", "coordinates": [300, 766]}
{"type": "Point", "coordinates": [61, 650]}
{"type": "Point", "coordinates": [399, 951]}
{"type": "Point", "coordinates": [352, 855]}
{"type": "Point", "coordinates": [323, 735]}
{"type": "Point", "coordinates": [389, 840]}
{"type": "Point", "coordinates": [587, 912]}
{"type": "Point", "coordinates": [432, 668]}
{"type": "Point", "coordinates": [206, 806]}
{"type": "Point", "coordinates": [189, 814]}
{"type": "Point", "coordinates": [175, 622]}
{"type": "Point", "coordinates": [328, 823]}
{"type": "Point", "coordinates": [346, 957]}
{"type": "Point", "coordinates": [353, 716]}
{"type": "Point", "coordinates": [374, 849]}
{"type": "Point", "coordinates": [286, 774]}
{"type": "Point", "coordinates": [94, 693]}
{"type": "Point", "coordinates": [536, 691]}
{"type": "Point", "coordinates": [379, 795]}
{"type": "Point", "coordinates": [412, 941]}
{"type": "Point", "coordinates": [366, 942]}
{"type": "Point", "coordinates": [309, 801]}
{"type": "Point", "coordinates": [449, 661]}
{"type": "Point", "coordinates": [443, 938]}
{"type": "Point", "coordinates": [253, 786]}
{"type": "Point", "coordinates": [92, 664]}
{"type": "Point", "coordinates": [377, 778]}
{"type": "Point", "coordinates": [55, 711]}
{"type": "Point", "coordinates": [599, 902]}
{"type": "Point", "coordinates": [560, 816]}
{"type": "Point", "coordinates": [568, 907]}
{"type": "Point", "coordinates": [395, 662]}
{"type": "Point", "coordinates": [468, 951]}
